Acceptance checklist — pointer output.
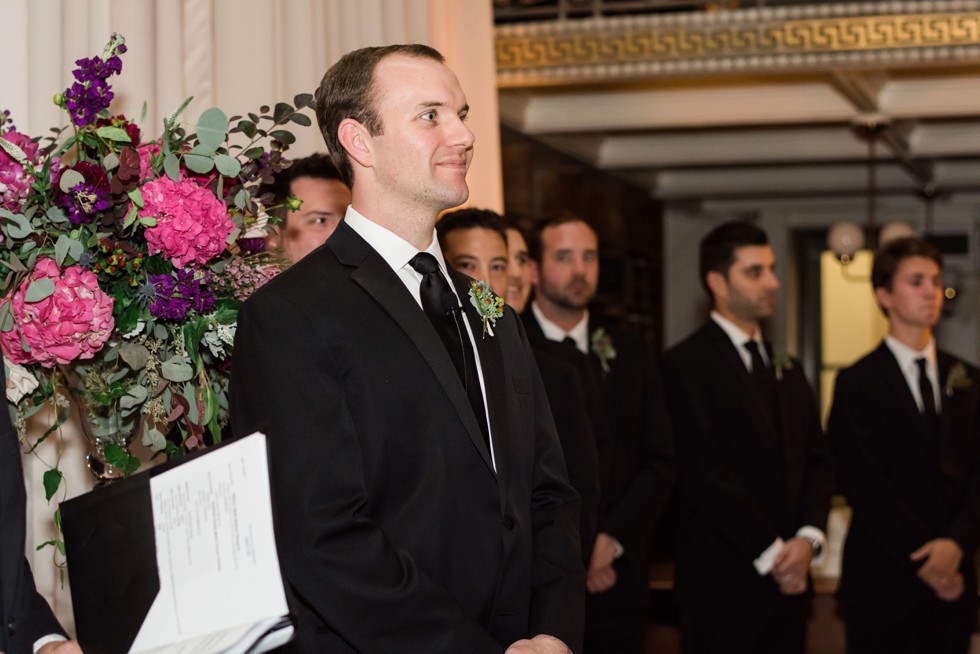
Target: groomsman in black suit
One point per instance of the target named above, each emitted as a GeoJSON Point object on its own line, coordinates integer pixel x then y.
{"type": "Point", "coordinates": [27, 625]}
{"type": "Point", "coordinates": [753, 466]}
{"type": "Point", "coordinates": [905, 428]}
{"type": "Point", "coordinates": [475, 243]}
{"type": "Point", "coordinates": [421, 494]}
{"type": "Point", "coordinates": [635, 451]}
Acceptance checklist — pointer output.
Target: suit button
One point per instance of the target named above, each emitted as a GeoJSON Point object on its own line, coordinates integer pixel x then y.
{"type": "Point", "coordinates": [11, 627]}
{"type": "Point", "coordinates": [508, 522]}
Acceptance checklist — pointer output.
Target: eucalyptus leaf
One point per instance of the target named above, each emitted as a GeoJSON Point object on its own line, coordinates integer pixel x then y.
{"type": "Point", "coordinates": [212, 127]}
{"type": "Point", "coordinates": [110, 161]}
{"type": "Point", "coordinates": [39, 289]}
{"type": "Point", "coordinates": [75, 249]}
{"type": "Point", "coordinates": [301, 119]}
{"type": "Point", "coordinates": [6, 318]}
{"type": "Point", "coordinates": [154, 440]}
{"type": "Point", "coordinates": [69, 179]}
{"type": "Point", "coordinates": [56, 214]}
{"type": "Point", "coordinates": [241, 199]}
{"type": "Point", "coordinates": [282, 112]}
{"type": "Point", "coordinates": [61, 249]}
{"type": "Point", "coordinates": [130, 217]}
{"type": "Point", "coordinates": [116, 134]}
{"type": "Point", "coordinates": [136, 396]}
{"type": "Point", "coordinates": [227, 165]}
{"type": "Point", "coordinates": [148, 221]}
{"type": "Point", "coordinates": [303, 100]}
{"type": "Point", "coordinates": [134, 354]}
{"type": "Point", "coordinates": [247, 127]}
{"type": "Point", "coordinates": [177, 370]}
{"type": "Point", "coordinates": [283, 136]}
{"type": "Point", "coordinates": [17, 226]}
{"type": "Point", "coordinates": [171, 165]}
{"type": "Point", "coordinates": [136, 196]}
{"type": "Point", "coordinates": [204, 149]}
{"type": "Point", "coordinates": [198, 163]}
{"type": "Point", "coordinates": [253, 153]}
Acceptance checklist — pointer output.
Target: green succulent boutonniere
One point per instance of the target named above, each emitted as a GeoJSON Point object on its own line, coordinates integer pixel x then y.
{"type": "Point", "coordinates": [602, 347]}
{"type": "Point", "coordinates": [489, 305]}
{"type": "Point", "coordinates": [781, 361]}
{"type": "Point", "coordinates": [957, 379]}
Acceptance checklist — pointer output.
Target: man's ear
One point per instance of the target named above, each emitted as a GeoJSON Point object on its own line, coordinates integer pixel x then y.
{"type": "Point", "coordinates": [884, 298]}
{"type": "Point", "coordinates": [356, 141]}
{"type": "Point", "coordinates": [717, 284]}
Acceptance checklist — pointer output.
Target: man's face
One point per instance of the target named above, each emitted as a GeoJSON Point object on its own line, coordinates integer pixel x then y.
{"type": "Point", "coordinates": [568, 273]}
{"type": "Point", "coordinates": [916, 297]}
{"type": "Point", "coordinates": [749, 292]}
{"type": "Point", "coordinates": [518, 271]}
{"type": "Point", "coordinates": [421, 157]}
{"type": "Point", "coordinates": [481, 254]}
{"type": "Point", "coordinates": [324, 205]}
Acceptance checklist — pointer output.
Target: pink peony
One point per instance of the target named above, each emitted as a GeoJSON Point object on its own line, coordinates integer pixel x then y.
{"type": "Point", "coordinates": [14, 180]}
{"type": "Point", "coordinates": [72, 323]}
{"type": "Point", "coordinates": [192, 224]}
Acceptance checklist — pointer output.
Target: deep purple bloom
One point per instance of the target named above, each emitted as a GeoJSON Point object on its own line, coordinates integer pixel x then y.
{"type": "Point", "coordinates": [91, 94]}
{"type": "Point", "coordinates": [251, 245]}
{"type": "Point", "coordinates": [180, 293]}
{"type": "Point", "coordinates": [85, 199]}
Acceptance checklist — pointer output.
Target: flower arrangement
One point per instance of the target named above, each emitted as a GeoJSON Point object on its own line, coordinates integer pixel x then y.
{"type": "Point", "coordinates": [602, 346]}
{"type": "Point", "coordinates": [125, 260]}
{"type": "Point", "coordinates": [957, 379]}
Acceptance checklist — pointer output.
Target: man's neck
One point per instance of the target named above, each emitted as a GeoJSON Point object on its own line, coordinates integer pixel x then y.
{"type": "Point", "coordinates": [751, 328]}
{"type": "Point", "coordinates": [562, 316]}
{"type": "Point", "coordinates": [916, 338]}
{"type": "Point", "coordinates": [415, 226]}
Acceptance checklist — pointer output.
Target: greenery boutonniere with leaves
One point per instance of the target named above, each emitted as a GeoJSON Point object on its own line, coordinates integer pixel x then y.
{"type": "Point", "coordinates": [957, 379]}
{"type": "Point", "coordinates": [781, 362]}
{"type": "Point", "coordinates": [602, 347]}
{"type": "Point", "coordinates": [488, 304]}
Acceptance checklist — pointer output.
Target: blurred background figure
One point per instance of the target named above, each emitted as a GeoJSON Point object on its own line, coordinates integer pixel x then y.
{"type": "Point", "coordinates": [475, 244]}
{"type": "Point", "coordinates": [316, 182]}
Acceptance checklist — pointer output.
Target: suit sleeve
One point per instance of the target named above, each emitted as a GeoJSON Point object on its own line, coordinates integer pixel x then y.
{"type": "Point", "coordinates": [340, 563]}
{"type": "Point", "coordinates": [964, 528]}
{"type": "Point", "coordinates": [895, 527]}
{"type": "Point", "coordinates": [633, 517]}
{"type": "Point", "coordinates": [707, 481]}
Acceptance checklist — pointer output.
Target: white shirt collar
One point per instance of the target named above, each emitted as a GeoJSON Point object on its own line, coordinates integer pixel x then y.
{"type": "Point", "coordinates": [739, 337]}
{"type": "Point", "coordinates": [392, 247]}
{"type": "Point", "coordinates": [579, 333]}
{"type": "Point", "coordinates": [907, 357]}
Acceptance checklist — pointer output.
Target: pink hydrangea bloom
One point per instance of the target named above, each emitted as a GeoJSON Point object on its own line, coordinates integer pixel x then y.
{"type": "Point", "coordinates": [14, 180]}
{"type": "Point", "coordinates": [192, 224]}
{"type": "Point", "coordinates": [72, 323]}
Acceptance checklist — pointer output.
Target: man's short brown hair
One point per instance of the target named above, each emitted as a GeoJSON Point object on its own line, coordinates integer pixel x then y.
{"type": "Point", "coordinates": [888, 258]}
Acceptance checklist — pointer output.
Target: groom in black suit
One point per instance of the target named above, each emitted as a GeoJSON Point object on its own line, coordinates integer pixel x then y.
{"type": "Point", "coordinates": [25, 618]}
{"type": "Point", "coordinates": [422, 500]}
{"type": "Point", "coordinates": [905, 427]}
{"type": "Point", "coordinates": [753, 466]}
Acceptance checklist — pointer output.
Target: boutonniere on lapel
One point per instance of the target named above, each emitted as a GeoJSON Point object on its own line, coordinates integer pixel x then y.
{"type": "Point", "coordinates": [602, 347]}
{"type": "Point", "coordinates": [781, 362]}
{"type": "Point", "coordinates": [488, 304]}
{"type": "Point", "coordinates": [957, 379]}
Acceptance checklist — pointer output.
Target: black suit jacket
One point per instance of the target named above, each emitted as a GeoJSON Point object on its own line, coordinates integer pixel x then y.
{"type": "Point", "coordinates": [395, 531]}
{"type": "Point", "coordinates": [905, 486]}
{"type": "Point", "coordinates": [745, 478]}
{"type": "Point", "coordinates": [635, 455]}
{"type": "Point", "coordinates": [25, 615]}
{"type": "Point", "coordinates": [563, 385]}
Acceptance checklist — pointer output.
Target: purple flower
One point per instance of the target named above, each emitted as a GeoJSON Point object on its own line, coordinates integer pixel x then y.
{"type": "Point", "coordinates": [251, 245]}
{"type": "Point", "coordinates": [88, 197]}
{"type": "Point", "coordinates": [90, 93]}
{"type": "Point", "coordinates": [178, 294]}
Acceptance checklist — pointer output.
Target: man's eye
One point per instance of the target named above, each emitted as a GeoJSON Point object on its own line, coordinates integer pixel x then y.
{"type": "Point", "coordinates": [428, 115]}
{"type": "Point", "coordinates": [498, 267]}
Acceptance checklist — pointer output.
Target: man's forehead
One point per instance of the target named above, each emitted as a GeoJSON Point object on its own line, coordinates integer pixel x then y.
{"type": "Point", "coordinates": [918, 265]}
{"type": "Point", "coordinates": [414, 76]}
{"type": "Point", "coordinates": [570, 235]}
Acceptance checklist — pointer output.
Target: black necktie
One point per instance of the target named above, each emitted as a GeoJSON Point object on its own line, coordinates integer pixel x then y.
{"type": "Point", "coordinates": [760, 371]}
{"type": "Point", "coordinates": [925, 390]}
{"type": "Point", "coordinates": [443, 311]}
{"type": "Point", "coordinates": [568, 341]}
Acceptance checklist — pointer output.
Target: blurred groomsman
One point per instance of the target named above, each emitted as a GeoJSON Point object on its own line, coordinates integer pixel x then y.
{"type": "Point", "coordinates": [753, 467]}
{"type": "Point", "coordinates": [475, 243]}
{"type": "Point", "coordinates": [905, 427]}
{"type": "Point", "coordinates": [316, 182]}
{"type": "Point", "coordinates": [635, 453]}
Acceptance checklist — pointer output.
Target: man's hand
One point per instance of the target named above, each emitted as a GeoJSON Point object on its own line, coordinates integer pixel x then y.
{"type": "Point", "coordinates": [941, 570]}
{"type": "Point", "coordinates": [601, 575]}
{"type": "Point", "coordinates": [791, 565]}
{"type": "Point", "coordinates": [60, 647]}
{"type": "Point", "coordinates": [541, 644]}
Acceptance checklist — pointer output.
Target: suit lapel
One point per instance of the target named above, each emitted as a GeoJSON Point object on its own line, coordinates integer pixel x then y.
{"type": "Point", "coordinates": [373, 274]}
{"type": "Point", "coordinates": [494, 382]}
{"type": "Point", "coordinates": [890, 371]}
{"type": "Point", "coordinates": [950, 427]}
{"type": "Point", "coordinates": [736, 367]}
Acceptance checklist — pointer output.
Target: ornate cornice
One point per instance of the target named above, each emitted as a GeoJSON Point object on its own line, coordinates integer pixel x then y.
{"type": "Point", "coordinates": [812, 37]}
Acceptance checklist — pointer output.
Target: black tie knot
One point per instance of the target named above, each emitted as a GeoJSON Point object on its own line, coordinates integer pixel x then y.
{"type": "Point", "coordinates": [926, 390]}
{"type": "Point", "coordinates": [424, 263]}
{"type": "Point", "coordinates": [759, 366]}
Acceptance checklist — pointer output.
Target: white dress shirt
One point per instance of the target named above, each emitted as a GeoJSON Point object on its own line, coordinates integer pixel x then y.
{"type": "Point", "coordinates": [907, 358]}
{"type": "Point", "coordinates": [579, 333]}
{"type": "Point", "coordinates": [398, 252]}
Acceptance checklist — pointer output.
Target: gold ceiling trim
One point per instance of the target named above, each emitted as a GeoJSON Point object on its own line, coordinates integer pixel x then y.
{"type": "Point", "coordinates": [735, 41]}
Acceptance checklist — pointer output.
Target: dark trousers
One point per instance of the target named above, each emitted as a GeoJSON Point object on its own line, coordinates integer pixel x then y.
{"type": "Point", "coordinates": [745, 628]}
{"type": "Point", "coordinates": [931, 627]}
{"type": "Point", "coordinates": [624, 634]}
